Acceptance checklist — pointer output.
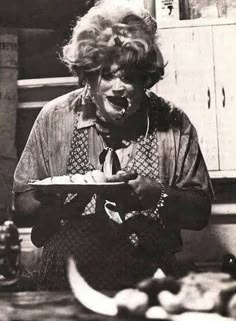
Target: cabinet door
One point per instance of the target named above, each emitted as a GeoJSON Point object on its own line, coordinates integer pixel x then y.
{"type": "Point", "coordinates": [225, 70]}
{"type": "Point", "coordinates": [189, 82]}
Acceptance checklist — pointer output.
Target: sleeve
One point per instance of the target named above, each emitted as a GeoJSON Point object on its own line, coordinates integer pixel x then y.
{"type": "Point", "coordinates": [190, 192]}
{"type": "Point", "coordinates": [191, 172]}
{"type": "Point", "coordinates": [34, 161]}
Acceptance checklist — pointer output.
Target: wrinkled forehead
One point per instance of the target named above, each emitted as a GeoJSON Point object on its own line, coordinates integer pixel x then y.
{"type": "Point", "coordinates": [128, 74]}
{"type": "Point", "coordinates": [121, 69]}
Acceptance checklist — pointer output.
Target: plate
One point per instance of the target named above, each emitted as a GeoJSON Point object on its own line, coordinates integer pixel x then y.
{"type": "Point", "coordinates": [76, 188]}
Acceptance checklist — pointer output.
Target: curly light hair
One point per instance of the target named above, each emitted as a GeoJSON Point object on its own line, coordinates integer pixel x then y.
{"type": "Point", "coordinates": [115, 32]}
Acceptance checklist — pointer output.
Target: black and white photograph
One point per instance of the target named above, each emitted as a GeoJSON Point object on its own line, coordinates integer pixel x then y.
{"type": "Point", "coordinates": [117, 160]}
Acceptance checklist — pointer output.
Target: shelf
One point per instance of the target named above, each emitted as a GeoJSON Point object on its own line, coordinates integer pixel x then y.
{"type": "Point", "coordinates": [46, 82]}
{"type": "Point", "coordinates": [224, 209]}
{"type": "Point", "coordinates": [221, 175]}
{"type": "Point", "coordinates": [196, 23]}
{"type": "Point", "coordinates": [34, 93]}
{"type": "Point", "coordinates": [32, 104]}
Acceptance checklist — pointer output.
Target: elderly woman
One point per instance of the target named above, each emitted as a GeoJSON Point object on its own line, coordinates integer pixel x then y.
{"type": "Point", "coordinates": [116, 125]}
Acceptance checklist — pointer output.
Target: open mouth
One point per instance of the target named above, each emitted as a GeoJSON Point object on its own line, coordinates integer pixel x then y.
{"type": "Point", "coordinates": [121, 102]}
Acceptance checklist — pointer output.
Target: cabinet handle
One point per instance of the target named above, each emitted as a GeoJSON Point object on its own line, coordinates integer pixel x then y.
{"type": "Point", "coordinates": [208, 98]}
{"type": "Point", "coordinates": [223, 94]}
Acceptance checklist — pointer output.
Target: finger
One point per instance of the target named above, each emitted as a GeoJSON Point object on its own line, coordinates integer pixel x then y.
{"type": "Point", "coordinates": [122, 176]}
{"type": "Point", "coordinates": [114, 178]}
{"type": "Point", "coordinates": [132, 174]}
{"type": "Point", "coordinates": [134, 183]}
{"type": "Point", "coordinates": [118, 177]}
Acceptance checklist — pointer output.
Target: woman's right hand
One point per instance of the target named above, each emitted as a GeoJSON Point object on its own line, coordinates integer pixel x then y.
{"type": "Point", "coordinates": [123, 176]}
{"type": "Point", "coordinates": [126, 198]}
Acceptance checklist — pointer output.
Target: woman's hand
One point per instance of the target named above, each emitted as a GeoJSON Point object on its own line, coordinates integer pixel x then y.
{"type": "Point", "coordinates": [63, 205]}
{"type": "Point", "coordinates": [122, 176]}
{"type": "Point", "coordinates": [147, 190]}
{"type": "Point", "coordinates": [37, 204]}
{"type": "Point", "coordinates": [141, 193]}
{"type": "Point", "coordinates": [49, 213]}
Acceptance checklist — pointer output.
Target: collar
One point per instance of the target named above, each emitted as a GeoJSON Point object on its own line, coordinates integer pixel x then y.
{"type": "Point", "coordinates": [86, 117]}
{"type": "Point", "coordinates": [85, 109]}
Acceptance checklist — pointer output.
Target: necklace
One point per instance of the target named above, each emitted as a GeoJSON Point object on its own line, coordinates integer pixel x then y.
{"type": "Point", "coordinates": [148, 124]}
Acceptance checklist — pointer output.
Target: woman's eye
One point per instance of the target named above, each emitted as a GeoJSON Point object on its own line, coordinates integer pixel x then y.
{"type": "Point", "coordinates": [107, 76]}
{"type": "Point", "coordinates": [127, 79]}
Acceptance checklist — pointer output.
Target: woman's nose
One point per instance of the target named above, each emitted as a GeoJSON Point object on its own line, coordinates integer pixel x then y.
{"type": "Point", "coordinates": [118, 86]}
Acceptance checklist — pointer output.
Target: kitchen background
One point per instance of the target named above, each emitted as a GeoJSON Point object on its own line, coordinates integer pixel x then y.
{"type": "Point", "coordinates": [198, 41]}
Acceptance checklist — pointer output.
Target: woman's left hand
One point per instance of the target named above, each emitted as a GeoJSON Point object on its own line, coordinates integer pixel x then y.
{"type": "Point", "coordinates": [143, 192]}
{"type": "Point", "coordinates": [147, 190]}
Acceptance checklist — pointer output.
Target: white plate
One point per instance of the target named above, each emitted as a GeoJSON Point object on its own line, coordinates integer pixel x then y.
{"type": "Point", "coordinates": [76, 188]}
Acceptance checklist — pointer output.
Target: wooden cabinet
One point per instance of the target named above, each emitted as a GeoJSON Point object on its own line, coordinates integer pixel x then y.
{"type": "Point", "coordinates": [225, 78]}
{"type": "Point", "coordinates": [200, 77]}
{"type": "Point", "coordinates": [189, 81]}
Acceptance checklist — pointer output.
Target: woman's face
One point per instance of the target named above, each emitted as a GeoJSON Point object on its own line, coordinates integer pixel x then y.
{"type": "Point", "coordinates": [116, 95]}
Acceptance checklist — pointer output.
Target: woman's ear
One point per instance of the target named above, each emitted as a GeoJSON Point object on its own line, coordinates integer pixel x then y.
{"type": "Point", "coordinates": [154, 78]}
{"type": "Point", "coordinates": [150, 81]}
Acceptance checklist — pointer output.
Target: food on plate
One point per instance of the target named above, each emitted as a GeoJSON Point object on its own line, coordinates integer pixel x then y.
{"type": "Point", "coordinates": [123, 176]}
{"type": "Point", "coordinates": [131, 301]}
{"type": "Point", "coordinates": [90, 177]}
{"type": "Point", "coordinates": [61, 180]}
{"type": "Point", "coordinates": [95, 176]}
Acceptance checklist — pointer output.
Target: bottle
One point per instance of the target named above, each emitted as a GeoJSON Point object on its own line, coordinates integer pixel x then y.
{"type": "Point", "coordinates": [10, 250]}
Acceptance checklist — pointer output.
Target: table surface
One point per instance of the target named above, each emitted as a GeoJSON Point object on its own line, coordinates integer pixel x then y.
{"type": "Point", "coordinates": [61, 306]}
{"type": "Point", "coordinates": [43, 306]}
